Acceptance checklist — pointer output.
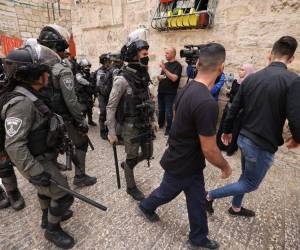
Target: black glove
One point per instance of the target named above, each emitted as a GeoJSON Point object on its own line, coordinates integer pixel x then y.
{"type": "Point", "coordinates": [42, 179]}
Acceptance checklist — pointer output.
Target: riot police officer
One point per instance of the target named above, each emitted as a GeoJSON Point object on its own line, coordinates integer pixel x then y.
{"type": "Point", "coordinates": [63, 98]}
{"type": "Point", "coordinates": [12, 196]}
{"type": "Point", "coordinates": [27, 119]}
{"type": "Point", "coordinates": [85, 90]}
{"type": "Point", "coordinates": [130, 105]}
{"type": "Point", "coordinates": [103, 87]}
{"type": "Point", "coordinates": [116, 65]}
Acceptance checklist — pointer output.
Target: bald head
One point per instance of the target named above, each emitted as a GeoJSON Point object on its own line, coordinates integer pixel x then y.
{"type": "Point", "coordinates": [170, 54]}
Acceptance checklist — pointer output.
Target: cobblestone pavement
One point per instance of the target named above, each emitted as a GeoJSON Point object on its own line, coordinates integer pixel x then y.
{"type": "Point", "coordinates": [276, 202]}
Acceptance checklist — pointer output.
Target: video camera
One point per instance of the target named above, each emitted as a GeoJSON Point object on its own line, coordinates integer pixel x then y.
{"type": "Point", "coordinates": [191, 53]}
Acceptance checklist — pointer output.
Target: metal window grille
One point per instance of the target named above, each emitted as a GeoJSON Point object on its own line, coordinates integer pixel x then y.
{"type": "Point", "coordinates": [184, 14]}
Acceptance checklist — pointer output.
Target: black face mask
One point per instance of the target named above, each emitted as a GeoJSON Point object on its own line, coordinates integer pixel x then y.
{"type": "Point", "coordinates": [144, 61]}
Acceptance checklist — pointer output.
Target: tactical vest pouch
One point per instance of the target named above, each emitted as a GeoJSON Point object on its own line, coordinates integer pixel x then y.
{"type": "Point", "coordinates": [147, 149]}
{"type": "Point", "coordinates": [37, 142]}
{"type": "Point", "coordinates": [55, 135]}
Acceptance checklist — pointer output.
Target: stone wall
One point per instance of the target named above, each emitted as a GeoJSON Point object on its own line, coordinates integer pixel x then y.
{"type": "Point", "coordinates": [247, 29]}
{"type": "Point", "coordinates": [25, 18]}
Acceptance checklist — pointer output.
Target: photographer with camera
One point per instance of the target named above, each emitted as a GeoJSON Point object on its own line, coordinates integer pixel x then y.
{"type": "Point", "coordinates": [168, 84]}
{"type": "Point", "coordinates": [192, 140]}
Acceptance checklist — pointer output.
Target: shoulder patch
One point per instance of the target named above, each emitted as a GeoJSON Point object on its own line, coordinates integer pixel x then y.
{"type": "Point", "coordinates": [68, 82]}
{"type": "Point", "coordinates": [12, 125]}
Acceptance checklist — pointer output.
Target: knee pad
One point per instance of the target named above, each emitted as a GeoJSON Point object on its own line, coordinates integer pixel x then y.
{"type": "Point", "coordinates": [131, 163]}
{"type": "Point", "coordinates": [61, 205]}
{"type": "Point", "coordinates": [6, 169]}
{"type": "Point", "coordinates": [43, 197]}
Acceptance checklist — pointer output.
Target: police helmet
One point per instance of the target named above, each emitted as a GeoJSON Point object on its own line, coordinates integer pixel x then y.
{"type": "Point", "coordinates": [28, 63]}
{"type": "Point", "coordinates": [104, 58]}
{"type": "Point", "coordinates": [54, 37]}
{"type": "Point", "coordinates": [115, 57]}
{"type": "Point", "coordinates": [84, 63]}
{"type": "Point", "coordinates": [30, 42]}
{"type": "Point", "coordinates": [130, 51]}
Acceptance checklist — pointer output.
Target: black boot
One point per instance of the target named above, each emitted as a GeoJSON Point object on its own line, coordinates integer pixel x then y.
{"type": "Point", "coordinates": [16, 200]}
{"type": "Point", "coordinates": [59, 237]}
{"type": "Point", "coordinates": [4, 202]}
{"type": "Point", "coordinates": [67, 215]}
{"type": "Point", "coordinates": [81, 179]}
{"type": "Point", "coordinates": [92, 123]}
{"type": "Point", "coordinates": [84, 180]}
{"type": "Point", "coordinates": [135, 193]}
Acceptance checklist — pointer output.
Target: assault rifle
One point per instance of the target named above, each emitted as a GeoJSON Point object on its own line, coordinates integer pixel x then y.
{"type": "Point", "coordinates": [146, 137]}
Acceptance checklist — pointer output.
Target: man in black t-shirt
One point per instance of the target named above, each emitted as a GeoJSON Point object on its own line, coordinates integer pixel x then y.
{"type": "Point", "coordinates": [168, 84]}
{"type": "Point", "coordinates": [192, 140]}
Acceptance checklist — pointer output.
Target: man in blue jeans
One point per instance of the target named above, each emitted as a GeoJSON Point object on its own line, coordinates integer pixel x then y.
{"type": "Point", "coordinates": [192, 140]}
{"type": "Point", "coordinates": [167, 89]}
{"type": "Point", "coordinates": [267, 99]}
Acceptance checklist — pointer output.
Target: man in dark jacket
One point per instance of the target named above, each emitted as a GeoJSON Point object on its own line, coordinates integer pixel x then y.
{"type": "Point", "coordinates": [267, 99]}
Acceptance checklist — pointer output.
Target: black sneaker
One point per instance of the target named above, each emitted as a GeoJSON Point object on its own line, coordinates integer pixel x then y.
{"type": "Point", "coordinates": [209, 206]}
{"type": "Point", "coordinates": [84, 180]}
{"type": "Point", "coordinates": [243, 212]}
{"type": "Point", "coordinates": [210, 244]}
{"type": "Point", "coordinates": [135, 193]}
{"type": "Point", "coordinates": [167, 133]}
{"type": "Point", "coordinates": [151, 216]}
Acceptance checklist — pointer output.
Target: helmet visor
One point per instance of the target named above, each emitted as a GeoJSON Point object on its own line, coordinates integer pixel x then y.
{"type": "Point", "coordinates": [44, 56]}
{"type": "Point", "coordinates": [61, 30]}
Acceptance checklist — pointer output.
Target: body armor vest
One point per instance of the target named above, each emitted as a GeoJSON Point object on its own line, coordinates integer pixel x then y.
{"type": "Point", "coordinates": [84, 92]}
{"type": "Point", "coordinates": [134, 106]}
{"type": "Point", "coordinates": [37, 139]}
{"type": "Point", "coordinates": [53, 93]}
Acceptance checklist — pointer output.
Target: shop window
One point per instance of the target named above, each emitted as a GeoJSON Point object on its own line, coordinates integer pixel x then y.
{"type": "Point", "coordinates": [184, 14]}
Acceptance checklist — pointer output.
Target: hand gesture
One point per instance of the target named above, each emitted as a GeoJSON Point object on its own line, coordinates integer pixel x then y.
{"type": "Point", "coordinates": [162, 65]}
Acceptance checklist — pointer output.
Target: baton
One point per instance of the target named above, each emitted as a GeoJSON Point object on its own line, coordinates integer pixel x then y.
{"type": "Point", "coordinates": [117, 166]}
{"type": "Point", "coordinates": [79, 196]}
